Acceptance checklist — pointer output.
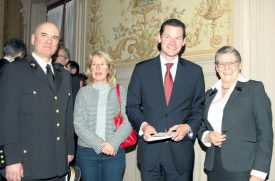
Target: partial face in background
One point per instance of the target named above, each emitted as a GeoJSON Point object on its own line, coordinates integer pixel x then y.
{"type": "Point", "coordinates": [45, 40]}
{"type": "Point", "coordinates": [73, 70]}
{"type": "Point", "coordinates": [228, 68]}
{"type": "Point", "coordinates": [99, 69]}
{"type": "Point", "coordinates": [171, 41]}
{"type": "Point", "coordinates": [61, 57]}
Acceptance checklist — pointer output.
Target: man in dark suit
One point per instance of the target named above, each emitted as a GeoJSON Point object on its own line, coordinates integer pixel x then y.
{"type": "Point", "coordinates": [13, 48]}
{"type": "Point", "coordinates": [36, 121]}
{"type": "Point", "coordinates": [166, 94]}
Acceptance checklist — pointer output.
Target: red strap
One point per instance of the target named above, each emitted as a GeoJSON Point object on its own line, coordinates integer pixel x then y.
{"type": "Point", "coordinates": [118, 96]}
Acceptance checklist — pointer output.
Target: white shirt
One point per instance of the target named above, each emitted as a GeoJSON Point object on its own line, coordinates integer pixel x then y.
{"type": "Point", "coordinates": [173, 69]}
{"type": "Point", "coordinates": [215, 115]}
{"type": "Point", "coordinates": [42, 63]}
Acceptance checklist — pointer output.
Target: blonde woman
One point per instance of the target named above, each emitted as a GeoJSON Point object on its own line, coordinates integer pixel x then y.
{"type": "Point", "coordinates": [99, 155]}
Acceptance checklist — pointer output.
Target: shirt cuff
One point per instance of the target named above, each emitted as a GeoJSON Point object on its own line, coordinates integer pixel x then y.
{"type": "Point", "coordinates": [140, 133]}
{"type": "Point", "coordinates": [190, 133]}
{"type": "Point", "coordinates": [259, 174]}
{"type": "Point", "coordinates": [206, 143]}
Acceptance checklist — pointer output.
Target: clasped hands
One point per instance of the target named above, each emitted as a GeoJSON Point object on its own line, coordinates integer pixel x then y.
{"type": "Point", "coordinates": [108, 149]}
{"type": "Point", "coordinates": [180, 131]}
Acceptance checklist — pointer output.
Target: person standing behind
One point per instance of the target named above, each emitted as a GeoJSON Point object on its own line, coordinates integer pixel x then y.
{"type": "Point", "coordinates": [62, 56]}
{"type": "Point", "coordinates": [166, 94]}
{"type": "Point", "coordinates": [237, 124]}
{"type": "Point", "coordinates": [12, 48]}
{"type": "Point", "coordinates": [36, 121]}
{"type": "Point", "coordinates": [99, 155]}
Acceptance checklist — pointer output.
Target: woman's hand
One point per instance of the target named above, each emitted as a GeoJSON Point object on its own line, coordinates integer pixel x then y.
{"type": "Point", "coordinates": [215, 138]}
{"type": "Point", "coordinates": [254, 178]}
{"type": "Point", "coordinates": [107, 149]}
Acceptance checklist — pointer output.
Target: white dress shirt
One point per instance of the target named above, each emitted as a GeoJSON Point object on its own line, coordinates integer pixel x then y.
{"type": "Point", "coordinates": [42, 63]}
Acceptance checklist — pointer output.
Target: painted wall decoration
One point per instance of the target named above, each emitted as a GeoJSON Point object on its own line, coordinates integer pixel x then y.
{"type": "Point", "coordinates": [128, 29]}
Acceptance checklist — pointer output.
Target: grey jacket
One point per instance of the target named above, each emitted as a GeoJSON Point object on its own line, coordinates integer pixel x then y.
{"type": "Point", "coordinates": [85, 114]}
{"type": "Point", "coordinates": [247, 121]}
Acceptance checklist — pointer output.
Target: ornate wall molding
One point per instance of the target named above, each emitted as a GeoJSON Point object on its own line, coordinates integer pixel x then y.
{"type": "Point", "coordinates": [131, 36]}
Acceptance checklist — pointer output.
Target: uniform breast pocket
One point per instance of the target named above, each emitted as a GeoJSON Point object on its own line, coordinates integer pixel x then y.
{"type": "Point", "coordinates": [32, 99]}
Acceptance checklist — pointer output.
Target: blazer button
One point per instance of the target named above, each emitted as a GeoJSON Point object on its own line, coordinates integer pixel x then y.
{"type": "Point", "coordinates": [58, 124]}
{"type": "Point", "coordinates": [34, 92]}
{"type": "Point", "coordinates": [1, 156]}
{"type": "Point", "coordinates": [25, 151]}
{"type": "Point", "coordinates": [2, 161]}
{"type": "Point", "coordinates": [55, 97]}
{"type": "Point", "coordinates": [1, 151]}
{"type": "Point", "coordinates": [69, 94]}
{"type": "Point", "coordinates": [57, 110]}
{"type": "Point", "coordinates": [58, 138]}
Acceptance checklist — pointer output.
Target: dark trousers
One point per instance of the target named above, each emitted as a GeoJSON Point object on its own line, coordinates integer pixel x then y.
{"type": "Point", "coordinates": [52, 179]}
{"type": "Point", "coordinates": [100, 167]}
{"type": "Point", "coordinates": [219, 173]}
{"type": "Point", "coordinates": [165, 169]}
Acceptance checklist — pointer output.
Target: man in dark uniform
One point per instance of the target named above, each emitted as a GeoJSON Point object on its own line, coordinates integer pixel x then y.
{"type": "Point", "coordinates": [36, 121]}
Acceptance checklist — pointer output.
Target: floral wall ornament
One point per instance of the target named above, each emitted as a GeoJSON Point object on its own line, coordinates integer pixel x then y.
{"type": "Point", "coordinates": [213, 12]}
{"type": "Point", "coordinates": [128, 30]}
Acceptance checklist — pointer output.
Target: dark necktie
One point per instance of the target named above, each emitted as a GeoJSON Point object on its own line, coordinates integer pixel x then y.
{"type": "Point", "coordinates": [168, 83]}
{"type": "Point", "coordinates": [50, 75]}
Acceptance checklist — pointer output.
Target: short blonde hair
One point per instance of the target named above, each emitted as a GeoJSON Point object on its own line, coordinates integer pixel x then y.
{"type": "Point", "coordinates": [111, 76]}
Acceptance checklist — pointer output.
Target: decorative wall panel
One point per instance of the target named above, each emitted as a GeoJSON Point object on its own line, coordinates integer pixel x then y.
{"type": "Point", "coordinates": [128, 29]}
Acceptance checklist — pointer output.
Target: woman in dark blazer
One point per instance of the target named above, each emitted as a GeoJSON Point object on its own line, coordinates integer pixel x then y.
{"type": "Point", "coordinates": [237, 126]}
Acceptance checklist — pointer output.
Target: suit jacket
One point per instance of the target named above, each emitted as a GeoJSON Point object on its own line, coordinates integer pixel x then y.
{"type": "Point", "coordinates": [36, 119]}
{"type": "Point", "coordinates": [247, 121]}
{"type": "Point", "coordinates": [146, 102]}
{"type": "Point", "coordinates": [3, 63]}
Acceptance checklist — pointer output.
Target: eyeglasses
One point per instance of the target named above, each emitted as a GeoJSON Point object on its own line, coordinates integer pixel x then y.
{"type": "Point", "coordinates": [61, 56]}
{"type": "Point", "coordinates": [94, 65]}
{"type": "Point", "coordinates": [229, 64]}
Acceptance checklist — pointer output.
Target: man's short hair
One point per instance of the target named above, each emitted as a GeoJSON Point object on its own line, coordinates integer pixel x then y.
{"type": "Point", "coordinates": [173, 22]}
{"type": "Point", "coordinates": [14, 46]}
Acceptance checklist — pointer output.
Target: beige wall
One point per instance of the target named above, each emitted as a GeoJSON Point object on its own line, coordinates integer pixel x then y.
{"type": "Point", "coordinates": [11, 21]}
{"type": "Point", "coordinates": [128, 30]}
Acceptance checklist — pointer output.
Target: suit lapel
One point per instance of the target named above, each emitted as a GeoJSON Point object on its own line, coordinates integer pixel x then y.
{"type": "Point", "coordinates": [237, 90]}
{"type": "Point", "coordinates": [234, 95]}
{"type": "Point", "coordinates": [177, 86]}
{"type": "Point", "coordinates": [38, 72]}
{"type": "Point", "coordinates": [157, 77]}
{"type": "Point", "coordinates": [208, 100]}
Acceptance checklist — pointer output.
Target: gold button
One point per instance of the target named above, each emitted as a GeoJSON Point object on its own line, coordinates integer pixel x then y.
{"type": "Point", "coordinates": [55, 97]}
{"type": "Point", "coordinates": [34, 92]}
{"type": "Point", "coordinates": [57, 124]}
{"type": "Point", "coordinates": [58, 138]}
{"type": "Point", "coordinates": [2, 161]}
{"type": "Point", "coordinates": [57, 110]}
